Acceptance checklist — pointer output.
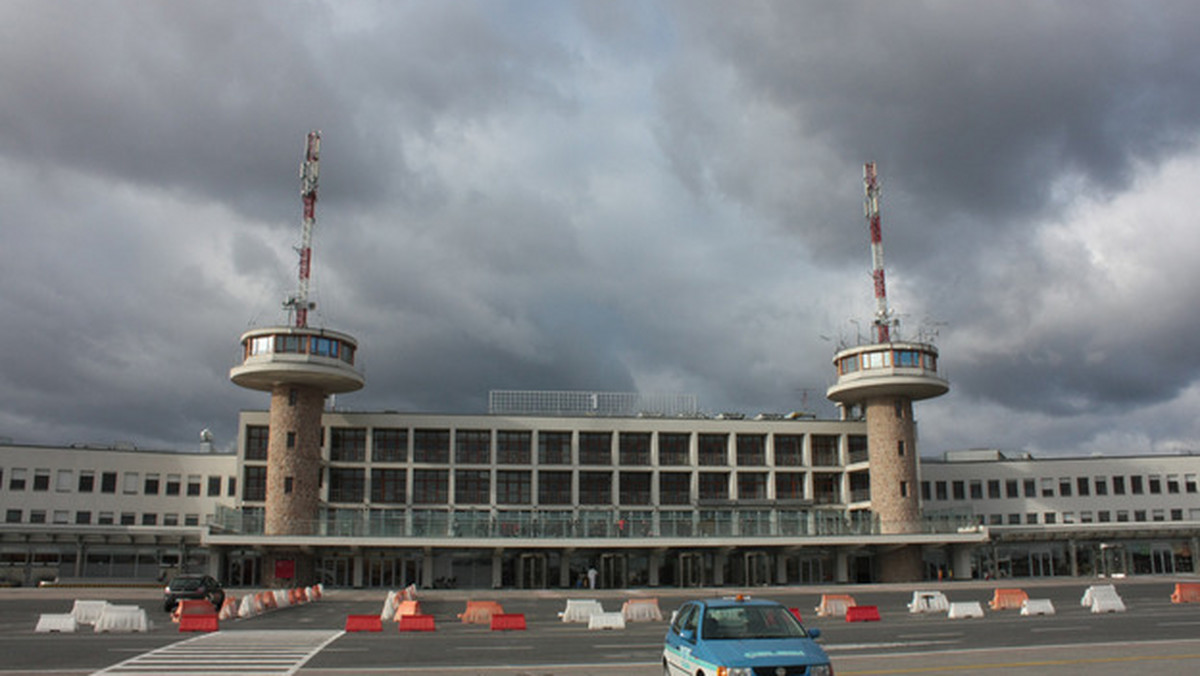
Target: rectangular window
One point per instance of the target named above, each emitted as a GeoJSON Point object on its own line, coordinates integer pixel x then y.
{"type": "Point", "coordinates": [431, 446]}
{"type": "Point", "coordinates": [1155, 484]}
{"type": "Point", "coordinates": [714, 486]}
{"type": "Point", "coordinates": [856, 445]}
{"type": "Point", "coordinates": [389, 444]}
{"type": "Point", "coordinates": [675, 488]}
{"type": "Point", "coordinates": [595, 448]}
{"type": "Point", "coordinates": [1086, 517]}
{"type": "Point", "coordinates": [431, 486]}
{"type": "Point", "coordinates": [1135, 485]}
{"type": "Point", "coordinates": [83, 518]}
{"type": "Point", "coordinates": [514, 447]}
{"type": "Point", "coordinates": [789, 450]}
{"type": "Point", "coordinates": [108, 482]}
{"type": "Point", "coordinates": [258, 437]}
{"type": "Point", "coordinates": [634, 449]}
{"type": "Point", "coordinates": [63, 480]}
{"type": "Point", "coordinates": [170, 519]}
{"type": "Point", "coordinates": [173, 484]}
{"type": "Point", "coordinates": [1173, 484]}
{"type": "Point", "coordinates": [554, 448]}
{"type": "Point", "coordinates": [1064, 487]}
{"type": "Point", "coordinates": [1118, 485]}
{"type": "Point", "coordinates": [13, 516]}
{"type": "Point", "coordinates": [751, 450]}
{"type": "Point", "coordinates": [254, 485]}
{"type": "Point", "coordinates": [514, 487]}
{"type": "Point", "coordinates": [595, 488]}
{"type": "Point", "coordinates": [993, 486]}
{"type": "Point", "coordinates": [940, 487]}
{"type": "Point", "coordinates": [346, 484]}
{"type": "Point", "coordinates": [673, 448]}
{"type": "Point", "coordinates": [1083, 486]}
{"type": "Point", "coordinates": [1014, 519]}
{"type": "Point", "coordinates": [752, 485]}
{"type": "Point", "coordinates": [105, 518]}
{"type": "Point", "coordinates": [191, 519]}
{"type": "Point", "coordinates": [1047, 487]}
{"type": "Point", "coordinates": [388, 486]}
{"type": "Point", "coordinates": [37, 516]}
{"type": "Point", "coordinates": [959, 489]}
{"type": "Point", "coordinates": [130, 483]}
{"type": "Point", "coordinates": [554, 488]}
{"type": "Point", "coordinates": [193, 485]}
{"type": "Point", "coordinates": [149, 519]}
{"type": "Point", "coordinates": [976, 487]}
{"type": "Point", "coordinates": [87, 481]}
{"type": "Point", "coordinates": [472, 487]}
{"type": "Point", "coordinates": [231, 486]}
{"type": "Point", "coordinates": [214, 486]}
{"type": "Point", "coordinates": [41, 480]}
{"type": "Point", "coordinates": [16, 480]}
{"type": "Point", "coordinates": [714, 450]}
{"type": "Point", "coordinates": [472, 447]}
{"type": "Point", "coordinates": [1103, 516]}
{"type": "Point", "coordinates": [62, 517]}
{"type": "Point", "coordinates": [1030, 487]}
{"type": "Point", "coordinates": [790, 485]}
{"type": "Point", "coordinates": [1050, 518]}
{"type": "Point", "coordinates": [151, 485]}
{"type": "Point", "coordinates": [635, 488]}
{"type": "Point", "coordinates": [825, 450]}
{"type": "Point", "coordinates": [347, 444]}
{"type": "Point", "coordinates": [128, 519]}
{"type": "Point", "coordinates": [1101, 485]}
{"type": "Point", "coordinates": [1189, 483]}
{"type": "Point", "coordinates": [1011, 488]}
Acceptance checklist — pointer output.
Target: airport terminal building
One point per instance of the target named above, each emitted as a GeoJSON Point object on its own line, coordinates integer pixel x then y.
{"type": "Point", "coordinates": [533, 501]}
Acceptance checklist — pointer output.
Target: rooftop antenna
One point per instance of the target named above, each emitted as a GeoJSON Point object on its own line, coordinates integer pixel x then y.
{"type": "Point", "coordinates": [309, 170]}
{"type": "Point", "coordinates": [884, 320]}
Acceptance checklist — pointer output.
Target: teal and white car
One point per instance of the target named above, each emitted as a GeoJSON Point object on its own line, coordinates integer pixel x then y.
{"type": "Point", "coordinates": [741, 637]}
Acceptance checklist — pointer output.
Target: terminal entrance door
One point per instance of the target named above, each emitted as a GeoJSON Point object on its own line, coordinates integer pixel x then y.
{"type": "Point", "coordinates": [1041, 564]}
{"type": "Point", "coordinates": [1162, 561]}
{"type": "Point", "coordinates": [691, 570]}
{"type": "Point", "coordinates": [758, 568]}
{"type": "Point", "coordinates": [614, 571]}
{"type": "Point", "coordinates": [336, 571]}
{"type": "Point", "coordinates": [532, 571]}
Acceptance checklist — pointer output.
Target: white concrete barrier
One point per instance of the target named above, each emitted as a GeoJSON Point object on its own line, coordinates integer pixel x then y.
{"type": "Point", "coordinates": [580, 610]}
{"type": "Point", "coordinates": [87, 612]}
{"type": "Point", "coordinates": [929, 602]}
{"type": "Point", "coordinates": [61, 622]}
{"type": "Point", "coordinates": [606, 621]}
{"type": "Point", "coordinates": [1037, 607]}
{"type": "Point", "coordinates": [250, 606]}
{"type": "Point", "coordinates": [389, 607]}
{"type": "Point", "coordinates": [641, 610]}
{"type": "Point", "coordinates": [1091, 591]}
{"type": "Point", "coordinates": [122, 619]}
{"type": "Point", "coordinates": [965, 609]}
{"type": "Point", "coordinates": [1107, 602]}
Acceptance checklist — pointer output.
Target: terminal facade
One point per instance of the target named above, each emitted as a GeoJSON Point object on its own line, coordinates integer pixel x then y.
{"type": "Point", "coordinates": [516, 501]}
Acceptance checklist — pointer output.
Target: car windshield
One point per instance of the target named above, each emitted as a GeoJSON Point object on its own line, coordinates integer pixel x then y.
{"type": "Point", "coordinates": [186, 583]}
{"type": "Point", "coordinates": [750, 622]}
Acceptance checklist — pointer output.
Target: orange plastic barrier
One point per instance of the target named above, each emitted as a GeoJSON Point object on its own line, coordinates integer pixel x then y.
{"type": "Point", "coordinates": [834, 604]}
{"type": "Point", "coordinates": [314, 592]}
{"type": "Point", "coordinates": [407, 608]}
{"type": "Point", "coordinates": [1008, 599]}
{"type": "Point", "coordinates": [199, 621]}
{"type": "Point", "coordinates": [796, 613]}
{"type": "Point", "coordinates": [862, 614]}
{"type": "Point", "coordinates": [191, 607]}
{"type": "Point", "coordinates": [1186, 592]}
{"type": "Point", "coordinates": [508, 621]}
{"type": "Point", "coordinates": [480, 612]}
{"type": "Point", "coordinates": [363, 623]}
{"type": "Point", "coordinates": [268, 600]}
{"type": "Point", "coordinates": [417, 623]}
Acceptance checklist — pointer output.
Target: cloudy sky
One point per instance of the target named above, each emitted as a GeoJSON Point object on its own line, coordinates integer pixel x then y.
{"type": "Point", "coordinates": [604, 195]}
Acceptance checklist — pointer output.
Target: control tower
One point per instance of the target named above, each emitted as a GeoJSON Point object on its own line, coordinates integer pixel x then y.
{"type": "Point", "coordinates": [300, 366]}
{"type": "Point", "coordinates": [882, 380]}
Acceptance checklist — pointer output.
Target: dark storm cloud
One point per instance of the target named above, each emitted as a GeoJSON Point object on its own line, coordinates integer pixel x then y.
{"type": "Point", "coordinates": [603, 195]}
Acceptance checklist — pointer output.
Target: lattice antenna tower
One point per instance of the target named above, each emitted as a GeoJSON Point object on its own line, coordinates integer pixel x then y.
{"type": "Point", "coordinates": [309, 171]}
{"type": "Point", "coordinates": [885, 320]}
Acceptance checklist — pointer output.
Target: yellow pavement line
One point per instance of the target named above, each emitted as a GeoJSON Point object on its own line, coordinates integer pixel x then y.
{"type": "Point", "coordinates": [1011, 665]}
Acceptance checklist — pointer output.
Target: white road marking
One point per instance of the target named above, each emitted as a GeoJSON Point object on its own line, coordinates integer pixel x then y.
{"type": "Point", "coordinates": [268, 653]}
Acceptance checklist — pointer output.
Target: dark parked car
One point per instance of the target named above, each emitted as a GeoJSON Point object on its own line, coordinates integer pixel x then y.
{"type": "Point", "coordinates": [193, 587]}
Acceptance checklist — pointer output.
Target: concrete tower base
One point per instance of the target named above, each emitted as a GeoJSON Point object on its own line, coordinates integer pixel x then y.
{"type": "Point", "coordinates": [903, 564]}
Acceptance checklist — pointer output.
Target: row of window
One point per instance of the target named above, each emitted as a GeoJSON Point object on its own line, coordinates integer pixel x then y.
{"type": "Point", "coordinates": [131, 483]}
{"type": "Point", "coordinates": [516, 487]}
{"type": "Point", "coordinates": [886, 359]}
{"type": "Point", "coordinates": [84, 518]}
{"type": "Point", "coordinates": [1088, 516]}
{"type": "Point", "coordinates": [1062, 487]}
{"type": "Point", "coordinates": [517, 447]}
{"type": "Point", "coordinates": [321, 346]}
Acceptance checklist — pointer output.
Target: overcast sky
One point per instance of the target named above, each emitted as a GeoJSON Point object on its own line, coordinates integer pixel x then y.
{"type": "Point", "coordinates": [609, 196]}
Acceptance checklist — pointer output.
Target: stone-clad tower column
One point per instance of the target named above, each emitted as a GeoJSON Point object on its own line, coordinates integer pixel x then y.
{"type": "Point", "coordinates": [299, 366]}
{"type": "Point", "coordinates": [883, 379]}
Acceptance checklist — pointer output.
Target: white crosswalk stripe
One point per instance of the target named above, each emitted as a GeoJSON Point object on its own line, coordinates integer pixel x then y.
{"type": "Point", "coordinates": [267, 653]}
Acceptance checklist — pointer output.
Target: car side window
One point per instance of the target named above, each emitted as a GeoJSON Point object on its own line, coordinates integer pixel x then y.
{"type": "Point", "coordinates": [690, 622]}
{"type": "Point", "coordinates": [686, 618]}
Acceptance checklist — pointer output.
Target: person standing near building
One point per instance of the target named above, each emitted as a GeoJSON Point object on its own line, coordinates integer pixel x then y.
{"type": "Point", "coordinates": [592, 577]}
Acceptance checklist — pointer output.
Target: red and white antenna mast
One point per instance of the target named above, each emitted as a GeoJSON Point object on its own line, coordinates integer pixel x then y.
{"type": "Point", "coordinates": [883, 314]}
{"type": "Point", "coordinates": [309, 170]}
